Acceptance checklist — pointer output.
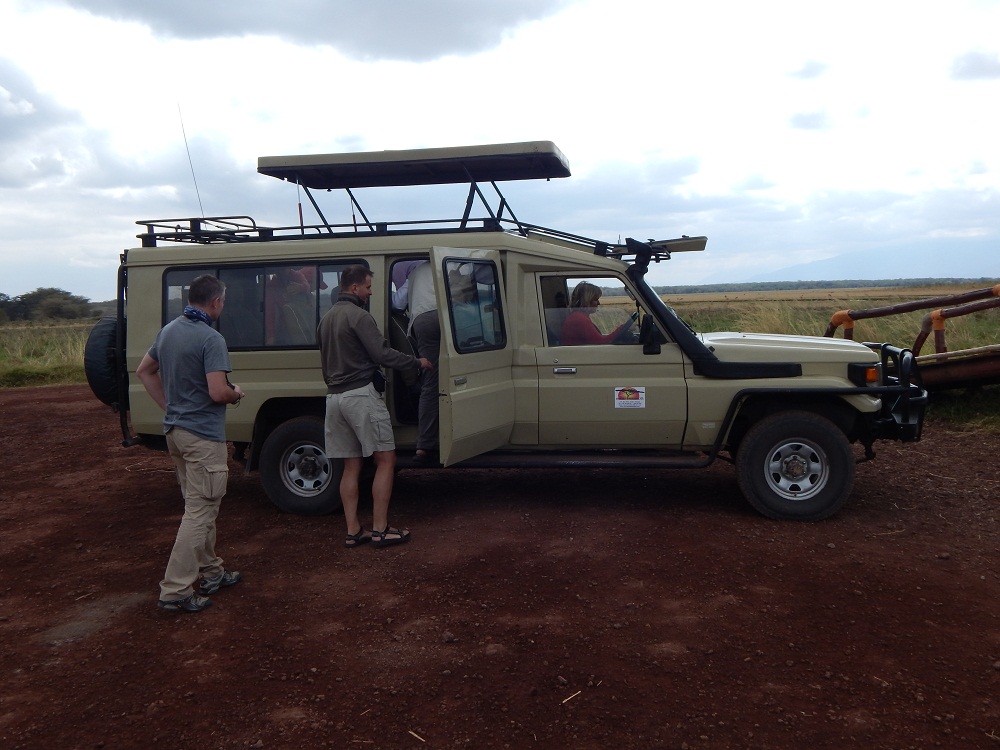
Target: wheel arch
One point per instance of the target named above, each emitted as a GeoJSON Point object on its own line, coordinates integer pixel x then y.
{"type": "Point", "coordinates": [754, 407]}
{"type": "Point", "coordinates": [275, 412]}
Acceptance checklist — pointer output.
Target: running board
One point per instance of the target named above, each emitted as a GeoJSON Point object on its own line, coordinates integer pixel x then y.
{"type": "Point", "coordinates": [580, 460]}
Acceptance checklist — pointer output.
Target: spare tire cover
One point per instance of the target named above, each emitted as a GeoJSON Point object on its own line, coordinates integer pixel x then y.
{"type": "Point", "coordinates": [99, 361]}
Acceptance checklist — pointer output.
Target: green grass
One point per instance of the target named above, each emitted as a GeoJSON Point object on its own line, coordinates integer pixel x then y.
{"type": "Point", "coordinates": [42, 354]}
{"type": "Point", "coordinates": [52, 353]}
{"type": "Point", "coordinates": [968, 409]}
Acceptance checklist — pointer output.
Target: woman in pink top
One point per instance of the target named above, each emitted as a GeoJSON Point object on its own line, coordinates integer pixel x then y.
{"type": "Point", "coordinates": [578, 328]}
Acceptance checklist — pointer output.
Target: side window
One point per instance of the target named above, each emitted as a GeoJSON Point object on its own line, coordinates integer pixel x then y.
{"type": "Point", "coordinates": [474, 308]}
{"type": "Point", "coordinates": [329, 284]}
{"type": "Point", "coordinates": [242, 321]}
{"type": "Point", "coordinates": [290, 306]}
{"type": "Point", "coordinates": [588, 311]}
{"type": "Point", "coordinates": [176, 294]}
{"type": "Point", "coordinates": [266, 306]}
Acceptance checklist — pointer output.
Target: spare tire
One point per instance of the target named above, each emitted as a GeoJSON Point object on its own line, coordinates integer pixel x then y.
{"type": "Point", "coordinates": [99, 362]}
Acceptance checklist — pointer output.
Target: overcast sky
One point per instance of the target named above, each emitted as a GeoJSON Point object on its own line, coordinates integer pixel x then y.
{"type": "Point", "coordinates": [808, 140]}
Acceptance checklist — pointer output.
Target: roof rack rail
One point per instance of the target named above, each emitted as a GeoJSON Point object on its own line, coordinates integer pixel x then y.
{"type": "Point", "coordinates": [213, 230]}
{"type": "Point", "coordinates": [204, 230]}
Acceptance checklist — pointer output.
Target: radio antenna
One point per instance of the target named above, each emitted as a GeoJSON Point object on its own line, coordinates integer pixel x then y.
{"type": "Point", "coordinates": [190, 162]}
{"type": "Point", "coordinates": [298, 194]}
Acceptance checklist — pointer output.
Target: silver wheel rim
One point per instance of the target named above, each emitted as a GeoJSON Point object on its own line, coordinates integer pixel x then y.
{"type": "Point", "coordinates": [797, 470]}
{"type": "Point", "coordinates": [305, 470]}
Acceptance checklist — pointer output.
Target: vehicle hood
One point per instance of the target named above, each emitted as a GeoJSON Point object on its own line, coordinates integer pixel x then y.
{"type": "Point", "coordinates": [764, 347]}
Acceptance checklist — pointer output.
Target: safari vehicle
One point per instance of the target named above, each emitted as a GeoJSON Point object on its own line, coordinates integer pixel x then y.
{"type": "Point", "coordinates": [784, 409]}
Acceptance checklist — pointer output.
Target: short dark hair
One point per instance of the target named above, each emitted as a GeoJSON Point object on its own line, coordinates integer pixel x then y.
{"type": "Point", "coordinates": [204, 289]}
{"type": "Point", "coordinates": [355, 274]}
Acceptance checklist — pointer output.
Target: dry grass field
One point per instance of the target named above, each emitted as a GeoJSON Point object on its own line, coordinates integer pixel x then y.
{"type": "Point", "coordinates": [808, 312]}
{"type": "Point", "coordinates": [49, 353]}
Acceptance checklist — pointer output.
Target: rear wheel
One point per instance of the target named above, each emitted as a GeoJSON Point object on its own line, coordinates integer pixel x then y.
{"type": "Point", "coordinates": [295, 471]}
{"type": "Point", "coordinates": [795, 465]}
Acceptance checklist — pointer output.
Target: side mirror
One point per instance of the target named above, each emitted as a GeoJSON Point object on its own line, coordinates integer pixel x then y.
{"type": "Point", "coordinates": [650, 336]}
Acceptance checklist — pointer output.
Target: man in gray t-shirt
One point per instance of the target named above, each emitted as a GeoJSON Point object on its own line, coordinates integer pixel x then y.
{"type": "Point", "coordinates": [186, 372]}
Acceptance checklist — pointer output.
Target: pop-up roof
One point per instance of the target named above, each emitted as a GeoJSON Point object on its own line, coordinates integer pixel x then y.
{"type": "Point", "coordinates": [533, 160]}
{"type": "Point", "coordinates": [499, 162]}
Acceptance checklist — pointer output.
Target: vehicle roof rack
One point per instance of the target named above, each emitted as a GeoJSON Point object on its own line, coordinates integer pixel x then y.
{"type": "Point", "coordinates": [530, 160]}
{"type": "Point", "coordinates": [213, 230]}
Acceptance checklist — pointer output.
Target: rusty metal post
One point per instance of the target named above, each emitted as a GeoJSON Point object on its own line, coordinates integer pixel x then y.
{"type": "Point", "coordinates": [937, 322]}
{"type": "Point", "coordinates": [842, 318]}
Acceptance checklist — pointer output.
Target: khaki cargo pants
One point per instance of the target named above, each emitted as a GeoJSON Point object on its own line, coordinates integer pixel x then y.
{"type": "Point", "coordinates": [202, 472]}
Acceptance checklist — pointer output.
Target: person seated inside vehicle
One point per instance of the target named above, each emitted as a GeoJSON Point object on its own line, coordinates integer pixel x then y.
{"type": "Point", "coordinates": [290, 305]}
{"type": "Point", "coordinates": [579, 329]}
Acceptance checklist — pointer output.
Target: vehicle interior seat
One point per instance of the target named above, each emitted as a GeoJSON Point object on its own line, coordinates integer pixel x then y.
{"type": "Point", "coordinates": [405, 384]}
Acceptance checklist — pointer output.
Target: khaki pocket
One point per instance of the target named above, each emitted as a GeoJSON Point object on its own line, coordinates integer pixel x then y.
{"type": "Point", "coordinates": [381, 429]}
{"type": "Point", "coordinates": [208, 481]}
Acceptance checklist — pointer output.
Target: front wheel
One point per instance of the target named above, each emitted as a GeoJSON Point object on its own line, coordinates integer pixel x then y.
{"type": "Point", "coordinates": [795, 465]}
{"type": "Point", "coordinates": [295, 471]}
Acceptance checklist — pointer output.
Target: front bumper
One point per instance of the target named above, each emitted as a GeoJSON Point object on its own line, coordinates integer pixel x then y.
{"type": "Point", "coordinates": [901, 416]}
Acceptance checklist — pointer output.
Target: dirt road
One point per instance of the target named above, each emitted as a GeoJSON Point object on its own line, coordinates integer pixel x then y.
{"type": "Point", "coordinates": [580, 609]}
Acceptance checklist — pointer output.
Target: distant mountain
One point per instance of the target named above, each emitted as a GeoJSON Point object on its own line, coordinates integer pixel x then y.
{"type": "Point", "coordinates": [968, 259]}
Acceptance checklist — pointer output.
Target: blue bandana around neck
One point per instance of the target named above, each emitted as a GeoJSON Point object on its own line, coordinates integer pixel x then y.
{"type": "Point", "coordinates": [195, 314]}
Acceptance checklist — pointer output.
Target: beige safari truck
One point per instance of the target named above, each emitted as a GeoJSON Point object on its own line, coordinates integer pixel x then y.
{"type": "Point", "coordinates": [651, 392]}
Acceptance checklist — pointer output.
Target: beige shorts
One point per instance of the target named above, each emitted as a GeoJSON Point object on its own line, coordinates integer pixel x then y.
{"type": "Point", "coordinates": [357, 424]}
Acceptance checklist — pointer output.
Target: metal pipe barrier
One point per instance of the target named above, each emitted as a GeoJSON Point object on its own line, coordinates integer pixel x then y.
{"type": "Point", "coordinates": [932, 321]}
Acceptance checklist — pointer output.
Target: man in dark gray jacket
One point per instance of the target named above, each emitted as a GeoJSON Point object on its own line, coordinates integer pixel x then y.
{"type": "Point", "coordinates": [353, 351]}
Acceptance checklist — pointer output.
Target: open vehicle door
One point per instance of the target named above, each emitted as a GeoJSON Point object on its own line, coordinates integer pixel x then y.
{"type": "Point", "coordinates": [476, 406]}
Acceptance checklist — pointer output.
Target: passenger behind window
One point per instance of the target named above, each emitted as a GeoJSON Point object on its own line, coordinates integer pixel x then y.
{"type": "Point", "coordinates": [578, 328]}
{"type": "Point", "coordinates": [400, 278]}
{"type": "Point", "coordinates": [291, 306]}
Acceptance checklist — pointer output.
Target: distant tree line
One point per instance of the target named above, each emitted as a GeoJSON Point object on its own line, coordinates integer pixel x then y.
{"type": "Point", "coordinates": [57, 304]}
{"type": "Point", "coordinates": [44, 304]}
{"type": "Point", "coordinates": [775, 286]}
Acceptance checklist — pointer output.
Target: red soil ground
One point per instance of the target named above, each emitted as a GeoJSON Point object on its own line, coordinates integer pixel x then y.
{"type": "Point", "coordinates": [579, 609]}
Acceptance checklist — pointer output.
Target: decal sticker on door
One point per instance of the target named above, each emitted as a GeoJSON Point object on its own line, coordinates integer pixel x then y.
{"type": "Point", "coordinates": [630, 397]}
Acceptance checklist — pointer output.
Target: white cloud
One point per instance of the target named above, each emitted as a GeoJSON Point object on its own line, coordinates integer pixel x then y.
{"type": "Point", "coordinates": [10, 106]}
{"type": "Point", "coordinates": [976, 65]}
{"type": "Point", "coordinates": [362, 29]}
{"type": "Point", "coordinates": [810, 69]}
{"type": "Point", "coordinates": [810, 121]}
{"type": "Point", "coordinates": [783, 130]}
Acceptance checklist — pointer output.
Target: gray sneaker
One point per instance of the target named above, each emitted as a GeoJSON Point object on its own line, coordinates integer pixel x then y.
{"type": "Point", "coordinates": [225, 579]}
{"type": "Point", "coordinates": [193, 603]}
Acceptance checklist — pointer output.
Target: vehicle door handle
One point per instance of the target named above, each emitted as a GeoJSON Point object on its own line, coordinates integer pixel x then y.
{"type": "Point", "coordinates": [564, 371]}
{"type": "Point", "coordinates": [461, 380]}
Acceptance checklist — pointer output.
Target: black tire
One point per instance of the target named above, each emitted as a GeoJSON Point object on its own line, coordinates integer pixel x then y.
{"type": "Point", "coordinates": [99, 361]}
{"type": "Point", "coordinates": [295, 471]}
{"type": "Point", "coordinates": [795, 465]}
